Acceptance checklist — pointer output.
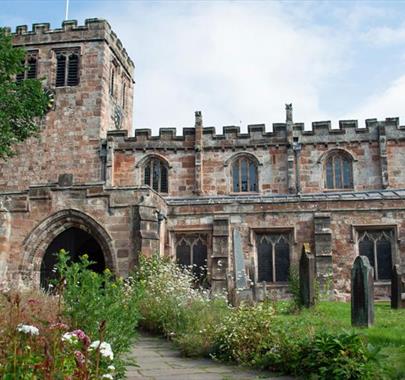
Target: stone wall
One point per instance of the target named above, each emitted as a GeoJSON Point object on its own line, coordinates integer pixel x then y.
{"type": "Point", "coordinates": [124, 222]}
{"type": "Point", "coordinates": [375, 153]}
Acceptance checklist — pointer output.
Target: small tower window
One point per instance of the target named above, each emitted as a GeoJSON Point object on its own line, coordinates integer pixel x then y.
{"type": "Point", "coordinates": [155, 175]}
{"type": "Point", "coordinates": [67, 69]}
{"type": "Point", "coordinates": [73, 70]}
{"type": "Point", "coordinates": [30, 64]}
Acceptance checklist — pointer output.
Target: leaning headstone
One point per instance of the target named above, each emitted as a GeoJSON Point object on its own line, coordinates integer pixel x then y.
{"type": "Point", "coordinates": [239, 261]}
{"type": "Point", "coordinates": [242, 291]}
{"type": "Point", "coordinates": [307, 277]}
{"type": "Point", "coordinates": [362, 292]}
{"type": "Point", "coordinates": [396, 287]}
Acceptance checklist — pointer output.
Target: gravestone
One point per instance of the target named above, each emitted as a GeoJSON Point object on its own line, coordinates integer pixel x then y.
{"type": "Point", "coordinates": [362, 292]}
{"type": "Point", "coordinates": [396, 287]}
{"type": "Point", "coordinates": [242, 291]}
{"type": "Point", "coordinates": [239, 261]}
{"type": "Point", "coordinates": [307, 277]}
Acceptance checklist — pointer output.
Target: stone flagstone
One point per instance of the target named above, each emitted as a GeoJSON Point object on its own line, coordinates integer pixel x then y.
{"type": "Point", "coordinates": [157, 359]}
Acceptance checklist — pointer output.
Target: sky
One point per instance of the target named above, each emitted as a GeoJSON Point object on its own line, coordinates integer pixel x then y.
{"type": "Point", "coordinates": [240, 62]}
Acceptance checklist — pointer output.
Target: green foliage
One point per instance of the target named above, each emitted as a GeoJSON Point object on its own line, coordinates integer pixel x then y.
{"type": "Point", "coordinates": [243, 333]}
{"type": "Point", "coordinates": [294, 288]}
{"type": "Point", "coordinates": [21, 104]}
{"type": "Point", "coordinates": [171, 305]}
{"type": "Point", "coordinates": [342, 356]}
{"type": "Point", "coordinates": [92, 300]}
{"type": "Point", "coordinates": [256, 336]}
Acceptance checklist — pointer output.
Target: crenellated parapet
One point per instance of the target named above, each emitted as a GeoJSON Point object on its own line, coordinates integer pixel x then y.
{"type": "Point", "coordinates": [257, 136]}
{"type": "Point", "coordinates": [94, 29]}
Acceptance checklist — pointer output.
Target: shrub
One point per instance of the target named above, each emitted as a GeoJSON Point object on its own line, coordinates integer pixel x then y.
{"type": "Point", "coordinates": [102, 305]}
{"type": "Point", "coordinates": [343, 356]}
{"type": "Point", "coordinates": [171, 305]}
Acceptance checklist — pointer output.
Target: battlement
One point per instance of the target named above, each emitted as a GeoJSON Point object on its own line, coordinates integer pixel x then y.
{"type": "Point", "coordinates": [321, 132]}
{"type": "Point", "coordinates": [94, 29]}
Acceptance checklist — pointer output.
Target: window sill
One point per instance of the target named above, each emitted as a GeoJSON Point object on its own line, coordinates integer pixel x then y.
{"type": "Point", "coordinates": [245, 193]}
{"type": "Point", "coordinates": [337, 190]}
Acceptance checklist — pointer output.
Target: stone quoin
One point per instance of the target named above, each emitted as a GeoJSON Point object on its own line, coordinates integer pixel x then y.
{"type": "Point", "coordinates": [88, 181]}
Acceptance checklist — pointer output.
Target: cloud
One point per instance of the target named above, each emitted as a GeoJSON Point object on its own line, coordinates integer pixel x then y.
{"type": "Point", "coordinates": [388, 103]}
{"type": "Point", "coordinates": [236, 62]}
{"type": "Point", "coordinates": [385, 35]}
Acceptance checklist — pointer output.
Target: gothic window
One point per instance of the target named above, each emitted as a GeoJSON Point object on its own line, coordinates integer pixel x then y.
{"type": "Point", "coordinates": [273, 257]}
{"type": "Point", "coordinates": [377, 246]}
{"type": "Point", "coordinates": [156, 175]}
{"type": "Point", "coordinates": [338, 171]}
{"type": "Point", "coordinates": [192, 252]}
{"type": "Point", "coordinates": [244, 175]}
{"type": "Point", "coordinates": [30, 64]}
{"type": "Point", "coordinates": [67, 68]}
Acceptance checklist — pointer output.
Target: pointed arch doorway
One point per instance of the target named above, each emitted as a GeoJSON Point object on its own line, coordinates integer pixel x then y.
{"type": "Point", "coordinates": [77, 242]}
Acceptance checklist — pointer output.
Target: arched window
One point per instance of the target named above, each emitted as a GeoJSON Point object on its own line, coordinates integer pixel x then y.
{"type": "Point", "coordinates": [67, 69]}
{"type": "Point", "coordinates": [30, 72]}
{"type": "Point", "coordinates": [156, 175]}
{"type": "Point", "coordinates": [377, 246]}
{"type": "Point", "coordinates": [244, 175]}
{"type": "Point", "coordinates": [273, 257]}
{"type": "Point", "coordinates": [338, 171]}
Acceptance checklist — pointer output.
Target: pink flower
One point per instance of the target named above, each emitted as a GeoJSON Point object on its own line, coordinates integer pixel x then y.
{"type": "Point", "coordinates": [82, 337]}
{"type": "Point", "coordinates": [80, 359]}
{"type": "Point", "coordinates": [59, 326]}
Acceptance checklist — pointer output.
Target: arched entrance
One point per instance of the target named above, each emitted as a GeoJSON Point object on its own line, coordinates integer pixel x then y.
{"type": "Point", "coordinates": [77, 242]}
{"type": "Point", "coordinates": [73, 231]}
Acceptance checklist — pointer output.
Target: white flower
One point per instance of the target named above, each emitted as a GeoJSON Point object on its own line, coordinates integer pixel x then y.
{"type": "Point", "coordinates": [111, 368]}
{"type": "Point", "coordinates": [27, 329]}
{"type": "Point", "coordinates": [69, 337]}
{"type": "Point", "coordinates": [104, 348]}
{"type": "Point", "coordinates": [107, 376]}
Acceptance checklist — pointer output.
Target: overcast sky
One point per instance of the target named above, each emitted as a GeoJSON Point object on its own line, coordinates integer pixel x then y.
{"type": "Point", "coordinates": [239, 62]}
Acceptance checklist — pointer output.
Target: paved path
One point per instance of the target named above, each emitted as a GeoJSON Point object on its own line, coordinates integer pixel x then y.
{"type": "Point", "coordinates": [157, 359]}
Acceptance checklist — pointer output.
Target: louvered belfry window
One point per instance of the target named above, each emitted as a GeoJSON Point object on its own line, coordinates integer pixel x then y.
{"type": "Point", "coordinates": [156, 175]}
{"type": "Point", "coordinates": [67, 69]}
{"type": "Point", "coordinates": [31, 69]}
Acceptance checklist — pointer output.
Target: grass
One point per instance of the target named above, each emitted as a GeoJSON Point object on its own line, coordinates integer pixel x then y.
{"type": "Point", "coordinates": [387, 333]}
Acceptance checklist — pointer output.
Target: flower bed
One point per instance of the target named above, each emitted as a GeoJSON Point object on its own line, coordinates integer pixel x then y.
{"type": "Point", "coordinates": [79, 332]}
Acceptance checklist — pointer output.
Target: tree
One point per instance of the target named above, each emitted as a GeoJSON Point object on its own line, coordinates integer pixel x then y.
{"type": "Point", "coordinates": [23, 103]}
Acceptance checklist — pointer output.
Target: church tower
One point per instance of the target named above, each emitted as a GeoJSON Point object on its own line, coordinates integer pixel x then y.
{"type": "Point", "coordinates": [90, 76]}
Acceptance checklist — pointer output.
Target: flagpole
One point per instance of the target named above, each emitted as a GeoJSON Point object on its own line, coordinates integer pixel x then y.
{"type": "Point", "coordinates": [67, 10]}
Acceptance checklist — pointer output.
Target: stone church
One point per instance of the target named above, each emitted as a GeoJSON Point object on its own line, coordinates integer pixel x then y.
{"type": "Point", "coordinates": [88, 185]}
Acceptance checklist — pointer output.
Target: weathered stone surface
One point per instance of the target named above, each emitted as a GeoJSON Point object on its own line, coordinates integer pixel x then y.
{"type": "Point", "coordinates": [362, 292]}
{"type": "Point", "coordinates": [239, 262]}
{"type": "Point", "coordinates": [307, 277]}
{"type": "Point", "coordinates": [396, 287]}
